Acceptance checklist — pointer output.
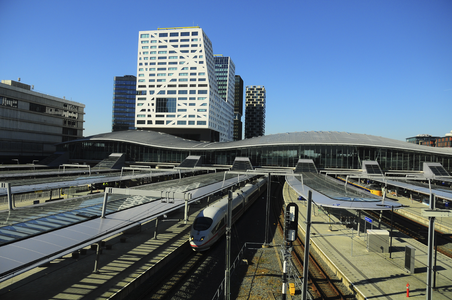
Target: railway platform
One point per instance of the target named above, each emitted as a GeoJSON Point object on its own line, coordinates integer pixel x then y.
{"type": "Point", "coordinates": [372, 275]}
{"type": "Point", "coordinates": [130, 256]}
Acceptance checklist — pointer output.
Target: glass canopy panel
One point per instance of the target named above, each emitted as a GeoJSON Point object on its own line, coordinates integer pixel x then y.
{"type": "Point", "coordinates": [25, 222]}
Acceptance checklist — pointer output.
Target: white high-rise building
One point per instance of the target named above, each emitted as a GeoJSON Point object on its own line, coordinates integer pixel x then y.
{"type": "Point", "coordinates": [177, 91]}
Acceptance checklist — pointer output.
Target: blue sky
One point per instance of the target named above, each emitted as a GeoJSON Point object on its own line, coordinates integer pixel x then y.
{"type": "Point", "coordinates": [377, 67]}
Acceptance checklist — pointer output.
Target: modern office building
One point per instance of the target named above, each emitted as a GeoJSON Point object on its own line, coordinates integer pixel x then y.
{"type": "Point", "coordinates": [225, 74]}
{"type": "Point", "coordinates": [255, 111]}
{"type": "Point", "coordinates": [177, 90]}
{"type": "Point", "coordinates": [422, 139]}
{"type": "Point", "coordinates": [238, 108]}
{"type": "Point", "coordinates": [124, 93]}
{"type": "Point", "coordinates": [31, 123]}
{"type": "Point", "coordinates": [432, 141]}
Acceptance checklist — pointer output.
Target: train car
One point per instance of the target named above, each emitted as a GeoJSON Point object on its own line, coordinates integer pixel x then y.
{"type": "Point", "coordinates": [371, 188]}
{"type": "Point", "coordinates": [210, 223]}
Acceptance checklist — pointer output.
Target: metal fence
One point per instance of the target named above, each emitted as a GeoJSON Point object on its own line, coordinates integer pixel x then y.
{"type": "Point", "coordinates": [43, 196]}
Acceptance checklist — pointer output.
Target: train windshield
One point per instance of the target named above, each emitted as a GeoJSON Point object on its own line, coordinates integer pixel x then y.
{"type": "Point", "coordinates": [202, 223]}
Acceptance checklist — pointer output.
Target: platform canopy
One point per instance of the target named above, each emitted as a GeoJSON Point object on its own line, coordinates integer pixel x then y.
{"type": "Point", "coordinates": [326, 192]}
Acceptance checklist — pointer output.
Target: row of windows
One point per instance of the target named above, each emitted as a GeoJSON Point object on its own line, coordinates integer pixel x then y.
{"type": "Point", "coordinates": [149, 122]}
{"type": "Point", "coordinates": [171, 74]}
{"type": "Point", "coordinates": [171, 41]}
{"type": "Point", "coordinates": [184, 33]}
{"type": "Point", "coordinates": [163, 63]}
{"type": "Point", "coordinates": [174, 46]}
{"type": "Point", "coordinates": [172, 116]}
{"type": "Point", "coordinates": [169, 57]}
{"type": "Point", "coordinates": [174, 92]}
{"type": "Point", "coordinates": [173, 80]}
{"type": "Point", "coordinates": [169, 69]}
{"type": "Point", "coordinates": [179, 98]}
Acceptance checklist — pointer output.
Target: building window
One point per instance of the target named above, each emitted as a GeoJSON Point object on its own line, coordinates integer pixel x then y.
{"type": "Point", "coordinates": [201, 123]}
{"type": "Point", "coordinates": [185, 34]}
{"type": "Point", "coordinates": [144, 36]}
{"type": "Point", "coordinates": [165, 34]}
{"type": "Point", "coordinates": [191, 122]}
{"type": "Point", "coordinates": [159, 122]}
{"type": "Point", "coordinates": [166, 105]}
{"type": "Point", "coordinates": [181, 122]}
{"type": "Point", "coordinates": [202, 92]}
{"type": "Point", "coordinates": [141, 122]}
{"type": "Point", "coordinates": [174, 34]}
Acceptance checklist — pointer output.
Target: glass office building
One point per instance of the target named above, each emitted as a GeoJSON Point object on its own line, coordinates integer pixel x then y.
{"type": "Point", "coordinates": [124, 91]}
{"type": "Point", "coordinates": [238, 108]}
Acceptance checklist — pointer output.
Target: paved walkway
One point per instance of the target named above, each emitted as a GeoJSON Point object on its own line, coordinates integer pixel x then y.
{"type": "Point", "coordinates": [374, 275]}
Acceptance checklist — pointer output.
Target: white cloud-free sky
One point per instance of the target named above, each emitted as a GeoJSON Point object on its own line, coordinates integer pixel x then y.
{"type": "Point", "coordinates": [378, 67]}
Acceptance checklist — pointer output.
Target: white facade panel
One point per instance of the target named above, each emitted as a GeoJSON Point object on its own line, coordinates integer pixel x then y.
{"type": "Point", "coordinates": [176, 84]}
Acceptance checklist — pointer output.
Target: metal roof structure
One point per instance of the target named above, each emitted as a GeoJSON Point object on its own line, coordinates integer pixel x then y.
{"type": "Point", "coordinates": [163, 140]}
{"type": "Point", "coordinates": [419, 188]}
{"type": "Point", "coordinates": [38, 234]}
{"type": "Point", "coordinates": [327, 193]}
{"type": "Point", "coordinates": [32, 185]}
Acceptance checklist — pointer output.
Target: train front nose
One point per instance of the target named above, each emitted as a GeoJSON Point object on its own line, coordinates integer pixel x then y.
{"type": "Point", "coordinates": [197, 239]}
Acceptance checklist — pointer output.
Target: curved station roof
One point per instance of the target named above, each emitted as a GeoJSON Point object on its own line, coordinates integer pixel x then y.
{"type": "Point", "coordinates": [163, 140]}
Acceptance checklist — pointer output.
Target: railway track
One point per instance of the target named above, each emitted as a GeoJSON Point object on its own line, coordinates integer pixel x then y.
{"type": "Point", "coordinates": [415, 230]}
{"type": "Point", "coordinates": [322, 286]}
{"type": "Point", "coordinates": [208, 268]}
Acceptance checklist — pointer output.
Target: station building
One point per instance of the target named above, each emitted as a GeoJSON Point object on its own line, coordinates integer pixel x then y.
{"type": "Point", "coordinates": [31, 123]}
{"type": "Point", "coordinates": [328, 149]}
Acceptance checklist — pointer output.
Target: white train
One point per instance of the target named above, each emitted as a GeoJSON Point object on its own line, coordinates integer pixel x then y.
{"type": "Point", "coordinates": [210, 224]}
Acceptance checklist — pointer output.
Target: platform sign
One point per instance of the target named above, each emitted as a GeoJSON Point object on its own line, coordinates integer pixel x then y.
{"type": "Point", "coordinates": [368, 219]}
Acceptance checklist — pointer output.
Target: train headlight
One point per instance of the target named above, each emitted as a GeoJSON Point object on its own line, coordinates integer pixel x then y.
{"type": "Point", "coordinates": [192, 238]}
{"type": "Point", "coordinates": [201, 239]}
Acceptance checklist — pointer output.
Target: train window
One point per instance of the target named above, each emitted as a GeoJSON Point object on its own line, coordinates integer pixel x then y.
{"type": "Point", "coordinates": [218, 226]}
{"type": "Point", "coordinates": [202, 223]}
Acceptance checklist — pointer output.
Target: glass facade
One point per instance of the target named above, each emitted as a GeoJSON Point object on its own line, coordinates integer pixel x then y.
{"type": "Point", "coordinates": [124, 93]}
{"type": "Point", "coordinates": [324, 156]}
